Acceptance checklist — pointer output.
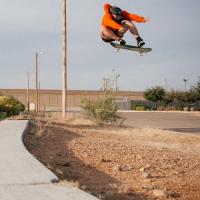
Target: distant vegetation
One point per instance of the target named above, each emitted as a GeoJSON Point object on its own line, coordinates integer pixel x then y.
{"type": "Point", "coordinates": [173, 100]}
{"type": "Point", "coordinates": [10, 106]}
{"type": "Point", "coordinates": [155, 94]}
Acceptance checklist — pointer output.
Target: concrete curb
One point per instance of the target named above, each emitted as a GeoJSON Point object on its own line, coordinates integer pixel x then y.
{"type": "Point", "coordinates": [23, 176]}
{"type": "Point", "coordinates": [156, 111]}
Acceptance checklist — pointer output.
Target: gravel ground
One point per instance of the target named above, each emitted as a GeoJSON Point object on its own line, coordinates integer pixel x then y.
{"type": "Point", "coordinates": [119, 163]}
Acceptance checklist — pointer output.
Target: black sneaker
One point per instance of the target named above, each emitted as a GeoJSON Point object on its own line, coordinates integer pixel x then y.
{"type": "Point", "coordinates": [140, 42]}
{"type": "Point", "coordinates": [122, 42]}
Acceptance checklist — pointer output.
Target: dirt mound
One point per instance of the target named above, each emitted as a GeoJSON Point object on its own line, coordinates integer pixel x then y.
{"type": "Point", "coordinates": [120, 163]}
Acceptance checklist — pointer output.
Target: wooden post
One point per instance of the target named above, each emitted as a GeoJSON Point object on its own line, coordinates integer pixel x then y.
{"type": "Point", "coordinates": [39, 96]}
{"type": "Point", "coordinates": [28, 93]}
{"type": "Point", "coordinates": [64, 52]}
{"type": "Point", "coordinates": [36, 81]}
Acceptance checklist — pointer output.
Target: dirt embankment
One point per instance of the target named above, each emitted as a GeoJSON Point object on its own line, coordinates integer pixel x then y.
{"type": "Point", "coordinates": [120, 163]}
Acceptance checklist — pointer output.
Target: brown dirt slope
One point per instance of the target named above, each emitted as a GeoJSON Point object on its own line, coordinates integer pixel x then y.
{"type": "Point", "coordinates": [120, 163]}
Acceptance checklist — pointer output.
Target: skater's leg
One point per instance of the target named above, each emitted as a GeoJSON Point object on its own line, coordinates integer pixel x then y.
{"type": "Point", "coordinates": [107, 33]}
{"type": "Point", "coordinates": [129, 25]}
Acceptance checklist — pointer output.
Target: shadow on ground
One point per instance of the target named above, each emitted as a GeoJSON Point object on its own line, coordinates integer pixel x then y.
{"type": "Point", "coordinates": [185, 130]}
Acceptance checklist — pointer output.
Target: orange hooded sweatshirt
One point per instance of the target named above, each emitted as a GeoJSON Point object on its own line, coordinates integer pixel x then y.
{"type": "Point", "coordinates": [109, 22]}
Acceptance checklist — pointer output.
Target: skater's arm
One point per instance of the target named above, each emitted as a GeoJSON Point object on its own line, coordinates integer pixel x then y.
{"type": "Point", "coordinates": [107, 7]}
{"type": "Point", "coordinates": [133, 17]}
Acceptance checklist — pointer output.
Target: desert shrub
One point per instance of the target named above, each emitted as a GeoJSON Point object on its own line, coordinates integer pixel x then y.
{"type": "Point", "coordinates": [195, 90]}
{"type": "Point", "coordinates": [103, 110]}
{"type": "Point", "coordinates": [147, 104]}
{"type": "Point", "coordinates": [10, 106]}
{"type": "Point", "coordinates": [193, 109]}
{"type": "Point", "coordinates": [170, 108]}
{"type": "Point", "coordinates": [133, 106]}
{"type": "Point", "coordinates": [161, 108]}
{"type": "Point", "coordinates": [3, 115]}
{"type": "Point", "coordinates": [140, 108]}
{"type": "Point", "coordinates": [186, 108]}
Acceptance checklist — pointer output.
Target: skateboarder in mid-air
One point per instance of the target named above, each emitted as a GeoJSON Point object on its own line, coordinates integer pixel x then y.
{"type": "Point", "coordinates": [117, 22]}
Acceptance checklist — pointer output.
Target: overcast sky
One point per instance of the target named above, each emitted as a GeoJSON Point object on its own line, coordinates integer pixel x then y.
{"type": "Point", "coordinates": [30, 25]}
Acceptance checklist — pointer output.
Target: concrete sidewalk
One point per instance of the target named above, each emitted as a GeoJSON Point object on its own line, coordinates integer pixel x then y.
{"type": "Point", "coordinates": [22, 176]}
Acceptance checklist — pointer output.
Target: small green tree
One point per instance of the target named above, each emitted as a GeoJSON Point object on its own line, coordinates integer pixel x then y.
{"type": "Point", "coordinates": [169, 97]}
{"type": "Point", "coordinates": [180, 98]}
{"type": "Point", "coordinates": [10, 105]}
{"type": "Point", "coordinates": [103, 110]}
{"type": "Point", "coordinates": [155, 94]}
{"type": "Point", "coordinates": [195, 90]}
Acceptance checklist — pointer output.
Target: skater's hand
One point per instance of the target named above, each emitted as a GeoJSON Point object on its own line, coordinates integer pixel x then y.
{"type": "Point", "coordinates": [146, 20]}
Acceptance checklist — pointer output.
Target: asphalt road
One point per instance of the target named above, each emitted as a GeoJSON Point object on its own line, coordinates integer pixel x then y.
{"type": "Point", "coordinates": [175, 121]}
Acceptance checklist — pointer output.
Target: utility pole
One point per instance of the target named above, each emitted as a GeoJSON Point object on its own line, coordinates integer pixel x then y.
{"type": "Point", "coordinates": [27, 94]}
{"type": "Point", "coordinates": [104, 84]}
{"type": "Point", "coordinates": [36, 82]}
{"type": "Point", "coordinates": [185, 81]}
{"type": "Point", "coordinates": [116, 81]}
{"type": "Point", "coordinates": [166, 85]}
{"type": "Point", "coordinates": [64, 52]}
{"type": "Point", "coordinates": [39, 96]}
{"type": "Point", "coordinates": [107, 86]}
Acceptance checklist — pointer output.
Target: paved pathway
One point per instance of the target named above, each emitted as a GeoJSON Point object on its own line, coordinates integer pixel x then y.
{"type": "Point", "coordinates": [22, 176]}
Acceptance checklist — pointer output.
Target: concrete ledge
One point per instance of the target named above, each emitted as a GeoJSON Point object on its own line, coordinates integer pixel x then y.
{"type": "Point", "coordinates": [42, 192]}
{"type": "Point", "coordinates": [23, 176]}
{"type": "Point", "coordinates": [18, 166]}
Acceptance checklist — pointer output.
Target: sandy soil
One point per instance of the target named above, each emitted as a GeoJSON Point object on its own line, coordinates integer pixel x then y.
{"type": "Point", "coordinates": [119, 163]}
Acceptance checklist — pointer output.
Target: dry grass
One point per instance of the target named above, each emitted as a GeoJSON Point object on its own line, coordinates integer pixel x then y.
{"type": "Point", "coordinates": [47, 119]}
{"type": "Point", "coordinates": [73, 119]}
{"type": "Point", "coordinates": [2, 98]}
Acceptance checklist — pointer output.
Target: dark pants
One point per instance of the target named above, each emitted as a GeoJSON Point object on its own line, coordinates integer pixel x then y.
{"type": "Point", "coordinates": [107, 40]}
